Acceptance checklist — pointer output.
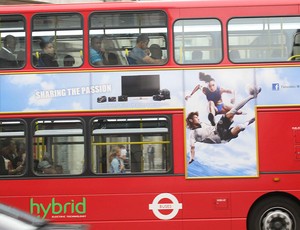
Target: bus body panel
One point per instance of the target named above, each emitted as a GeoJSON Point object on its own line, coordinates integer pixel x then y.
{"type": "Point", "coordinates": [177, 198]}
{"type": "Point", "coordinates": [276, 127]}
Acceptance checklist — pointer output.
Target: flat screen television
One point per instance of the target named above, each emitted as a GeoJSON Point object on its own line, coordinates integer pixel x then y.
{"type": "Point", "coordinates": [140, 85]}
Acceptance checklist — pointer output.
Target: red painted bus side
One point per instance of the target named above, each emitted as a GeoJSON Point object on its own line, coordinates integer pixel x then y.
{"type": "Point", "coordinates": [128, 201]}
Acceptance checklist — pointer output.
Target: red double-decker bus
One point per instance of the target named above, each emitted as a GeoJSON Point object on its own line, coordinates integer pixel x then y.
{"type": "Point", "coordinates": [167, 115]}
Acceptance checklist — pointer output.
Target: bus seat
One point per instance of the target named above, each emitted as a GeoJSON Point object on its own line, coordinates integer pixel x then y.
{"type": "Point", "coordinates": [123, 60]}
{"type": "Point", "coordinates": [297, 39]}
{"type": "Point", "coordinates": [296, 45]}
{"type": "Point", "coordinates": [34, 60]}
{"type": "Point", "coordinates": [131, 61]}
{"type": "Point", "coordinates": [112, 59]}
{"type": "Point", "coordinates": [38, 60]}
{"type": "Point", "coordinates": [234, 55]}
{"type": "Point", "coordinates": [81, 55]}
{"type": "Point", "coordinates": [296, 50]}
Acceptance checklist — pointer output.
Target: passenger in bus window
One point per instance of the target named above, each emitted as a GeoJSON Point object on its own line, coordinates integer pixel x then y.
{"type": "Point", "coordinates": [234, 55]}
{"type": "Point", "coordinates": [59, 169]}
{"type": "Point", "coordinates": [20, 154]}
{"type": "Point", "coordinates": [96, 51]}
{"type": "Point", "coordinates": [155, 51]}
{"type": "Point", "coordinates": [139, 54]}
{"type": "Point", "coordinates": [69, 61]}
{"type": "Point", "coordinates": [213, 94]}
{"type": "Point", "coordinates": [46, 164]}
{"type": "Point", "coordinates": [6, 167]}
{"type": "Point", "coordinates": [112, 59]}
{"type": "Point", "coordinates": [8, 146]}
{"type": "Point", "coordinates": [21, 58]}
{"type": "Point", "coordinates": [197, 56]}
{"type": "Point", "coordinates": [3, 165]}
{"type": "Point", "coordinates": [47, 57]}
{"type": "Point", "coordinates": [7, 57]}
{"type": "Point", "coordinates": [115, 161]}
{"type": "Point", "coordinates": [123, 156]}
{"type": "Point", "coordinates": [150, 152]}
{"type": "Point", "coordinates": [34, 60]}
{"type": "Point", "coordinates": [7, 156]}
{"type": "Point", "coordinates": [222, 132]}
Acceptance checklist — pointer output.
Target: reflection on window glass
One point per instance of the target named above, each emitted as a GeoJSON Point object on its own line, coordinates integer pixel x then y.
{"type": "Point", "coordinates": [263, 39]}
{"type": "Point", "coordinates": [58, 147]}
{"type": "Point", "coordinates": [12, 148]}
{"type": "Point", "coordinates": [114, 35]}
{"type": "Point", "coordinates": [197, 41]}
{"type": "Point", "coordinates": [57, 40]}
{"type": "Point", "coordinates": [12, 39]}
{"type": "Point", "coordinates": [131, 145]}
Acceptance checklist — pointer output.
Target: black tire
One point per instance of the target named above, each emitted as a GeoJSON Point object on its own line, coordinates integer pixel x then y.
{"type": "Point", "coordinates": [274, 213]}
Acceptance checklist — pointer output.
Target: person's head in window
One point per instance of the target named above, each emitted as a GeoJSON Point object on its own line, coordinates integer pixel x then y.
{"type": "Point", "coordinates": [197, 55]}
{"type": "Point", "coordinates": [96, 43]}
{"type": "Point", "coordinates": [96, 51]}
{"type": "Point", "coordinates": [140, 53]}
{"type": "Point", "coordinates": [47, 48]}
{"type": "Point", "coordinates": [156, 52]}
{"type": "Point", "coordinates": [69, 61]}
{"type": "Point", "coordinates": [46, 164]}
{"type": "Point", "coordinates": [142, 41]}
{"type": "Point", "coordinates": [10, 43]}
{"type": "Point", "coordinates": [234, 55]}
{"type": "Point", "coordinates": [7, 56]}
{"type": "Point", "coordinates": [9, 145]}
{"type": "Point", "coordinates": [47, 58]}
{"type": "Point", "coordinates": [115, 161]}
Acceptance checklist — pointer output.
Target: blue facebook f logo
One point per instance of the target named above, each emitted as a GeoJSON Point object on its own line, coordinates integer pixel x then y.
{"type": "Point", "coordinates": [275, 86]}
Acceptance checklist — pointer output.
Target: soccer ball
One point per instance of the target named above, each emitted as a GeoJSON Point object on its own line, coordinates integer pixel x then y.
{"type": "Point", "coordinates": [254, 90]}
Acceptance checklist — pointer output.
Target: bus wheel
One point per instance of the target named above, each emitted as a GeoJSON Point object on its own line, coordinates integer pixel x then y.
{"type": "Point", "coordinates": [274, 213]}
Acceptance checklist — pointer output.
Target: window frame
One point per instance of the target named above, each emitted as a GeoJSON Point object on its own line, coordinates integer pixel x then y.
{"type": "Point", "coordinates": [68, 133]}
{"type": "Point", "coordinates": [80, 29]}
{"type": "Point", "coordinates": [14, 136]}
{"type": "Point", "coordinates": [124, 50]}
{"type": "Point", "coordinates": [221, 45]}
{"type": "Point", "coordinates": [169, 151]}
{"type": "Point", "coordinates": [261, 18]}
{"type": "Point", "coordinates": [24, 44]}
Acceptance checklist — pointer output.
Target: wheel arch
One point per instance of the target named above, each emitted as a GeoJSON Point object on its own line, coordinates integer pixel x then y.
{"type": "Point", "coordinates": [284, 195]}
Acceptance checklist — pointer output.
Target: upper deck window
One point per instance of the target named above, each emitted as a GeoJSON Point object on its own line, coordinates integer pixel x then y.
{"type": "Point", "coordinates": [12, 41]}
{"type": "Point", "coordinates": [114, 38]}
{"type": "Point", "coordinates": [267, 39]}
{"type": "Point", "coordinates": [197, 41]}
{"type": "Point", "coordinates": [57, 40]}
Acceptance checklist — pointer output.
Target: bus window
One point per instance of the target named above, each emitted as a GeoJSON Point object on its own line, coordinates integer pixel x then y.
{"type": "Point", "coordinates": [57, 40]}
{"type": "Point", "coordinates": [197, 41]}
{"type": "Point", "coordinates": [12, 148]}
{"type": "Point", "coordinates": [12, 42]}
{"type": "Point", "coordinates": [296, 47]}
{"type": "Point", "coordinates": [140, 145]}
{"type": "Point", "coordinates": [58, 147]}
{"type": "Point", "coordinates": [267, 39]}
{"type": "Point", "coordinates": [117, 33]}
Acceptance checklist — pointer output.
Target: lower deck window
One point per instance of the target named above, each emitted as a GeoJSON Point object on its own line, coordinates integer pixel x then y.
{"type": "Point", "coordinates": [132, 145]}
{"type": "Point", "coordinates": [12, 148]}
{"type": "Point", "coordinates": [58, 147]}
